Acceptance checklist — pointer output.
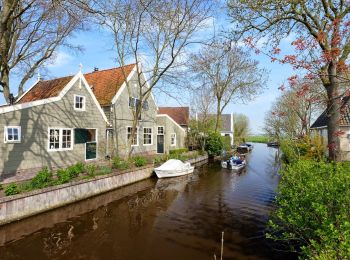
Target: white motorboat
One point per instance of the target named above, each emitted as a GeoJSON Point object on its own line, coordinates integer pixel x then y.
{"type": "Point", "coordinates": [233, 166]}
{"type": "Point", "coordinates": [173, 168]}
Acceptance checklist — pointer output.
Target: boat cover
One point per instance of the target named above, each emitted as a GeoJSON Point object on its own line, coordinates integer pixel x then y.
{"type": "Point", "coordinates": [172, 164]}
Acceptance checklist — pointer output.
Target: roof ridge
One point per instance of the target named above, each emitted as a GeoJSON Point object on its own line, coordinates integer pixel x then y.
{"type": "Point", "coordinates": [55, 78]}
{"type": "Point", "coordinates": [110, 69]}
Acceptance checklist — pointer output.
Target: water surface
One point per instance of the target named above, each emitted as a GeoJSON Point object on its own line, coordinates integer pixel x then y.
{"type": "Point", "coordinates": [178, 218]}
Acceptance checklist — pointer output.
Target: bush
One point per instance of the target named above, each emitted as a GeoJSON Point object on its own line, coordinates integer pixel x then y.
{"type": "Point", "coordinates": [226, 141]}
{"type": "Point", "coordinates": [139, 161]}
{"type": "Point", "coordinates": [157, 160]}
{"type": "Point", "coordinates": [214, 144]}
{"type": "Point", "coordinates": [120, 164]}
{"type": "Point", "coordinates": [104, 170]}
{"type": "Point", "coordinates": [42, 179]}
{"type": "Point", "coordinates": [11, 189]}
{"type": "Point", "coordinates": [178, 151]}
{"type": "Point", "coordinates": [306, 148]}
{"type": "Point", "coordinates": [313, 209]}
{"type": "Point", "coordinates": [90, 170]}
{"type": "Point", "coordinates": [76, 169]}
{"type": "Point", "coordinates": [64, 176]}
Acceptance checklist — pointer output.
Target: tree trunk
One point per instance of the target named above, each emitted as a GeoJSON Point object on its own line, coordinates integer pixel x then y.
{"type": "Point", "coordinates": [333, 114]}
{"type": "Point", "coordinates": [218, 116]}
{"type": "Point", "coordinates": [5, 83]}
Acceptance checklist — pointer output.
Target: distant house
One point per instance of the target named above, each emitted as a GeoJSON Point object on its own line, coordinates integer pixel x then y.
{"type": "Point", "coordinates": [85, 117]}
{"type": "Point", "coordinates": [319, 127]}
{"type": "Point", "coordinates": [180, 115]}
{"type": "Point", "coordinates": [56, 123]}
{"type": "Point", "coordinates": [226, 124]}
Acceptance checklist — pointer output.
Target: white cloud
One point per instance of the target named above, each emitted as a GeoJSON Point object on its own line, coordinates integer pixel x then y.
{"type": "Point", "coordinates": [60, 59]}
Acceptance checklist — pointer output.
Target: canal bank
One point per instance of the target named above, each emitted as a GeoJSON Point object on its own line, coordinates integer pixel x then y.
{"type": "Point", "coordinates": [175, 218]}
{"type": "Point", "coordinates": [35, 202]}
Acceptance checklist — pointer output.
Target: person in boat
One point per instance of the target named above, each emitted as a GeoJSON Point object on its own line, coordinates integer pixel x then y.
{"type": "Point", "coordinates": [235, 159]}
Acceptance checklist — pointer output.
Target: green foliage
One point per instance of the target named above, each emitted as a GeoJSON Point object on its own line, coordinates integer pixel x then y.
{"type": "Point", "coordinates": [119, 163]}
{"type": "Point", "coordinates": [90, 169]}
{"type": "Point", "coordinates": [241, 127]}
{"type": "Point", "coordinates": [63, 176]}
{"type": "Point", "coordinates": [104, 170]}
{"type": "Point", "coordinates": [258, 139]}
{"type": "Point", "coordinates": [226, 141]}
{"type": "Point", "coordinates": [313, 209]}
{"type": "Point", "coordinates": [178, 151]}
{"type": "Point", "coordinates": [42, 179]}
{"type": "Point", "coordinates": [11, 189]}
{"type": "Point", "coordinates": [76, 169]}
{"type": "Point", "coordinates": [158, 159]}
{"type": "Point", "coordinates": [139, 161]}
{"type": "Point", "coordinates": [214, 144]}
{"type": "Point", "coordinates": [1, 187]}
{"type": "Point", "coordinates": [305, 148]}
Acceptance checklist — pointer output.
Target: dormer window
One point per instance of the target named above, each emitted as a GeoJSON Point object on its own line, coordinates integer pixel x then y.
{"type": "Point", "coordinates": [145, 105]}
{"type": "Point", "coordinates": [79, 103]}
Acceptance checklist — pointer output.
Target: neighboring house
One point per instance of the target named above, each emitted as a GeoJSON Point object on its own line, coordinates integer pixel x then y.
{"type": "Point", "coordinates": [180, 115]}
{"type": "Point", "coordinates": [155, 133]}
{"type": "Point", "coordinates": [319, 127]}
{"type": "Point", "coordinates": [226, 124]}
{"type": "Point", "coordinates": [56, 123]}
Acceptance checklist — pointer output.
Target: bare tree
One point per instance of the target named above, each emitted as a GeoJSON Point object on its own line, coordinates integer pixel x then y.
{"type": "Point", "coordinates": [154, 33]}
{"type": "Point", "coordinates": [228, 73]}
{"type": "Point", "coordinates": [321, 29]}
{"type": "Point", "coordinates": [241, 127]}
{"type": "Point", "coordinates": [31, 31]}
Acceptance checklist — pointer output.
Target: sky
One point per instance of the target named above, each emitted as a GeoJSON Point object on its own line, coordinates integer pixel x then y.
{"type": "Point", "coordinates": [98, 52]}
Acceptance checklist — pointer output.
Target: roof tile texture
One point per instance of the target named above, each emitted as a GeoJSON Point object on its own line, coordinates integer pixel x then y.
{"type": "Point", "coordinates": [179, 114]}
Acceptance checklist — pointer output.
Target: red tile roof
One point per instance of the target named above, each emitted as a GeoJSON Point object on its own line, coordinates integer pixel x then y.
{"type": "Point", "coordinates": [105, 84]}
{"type": "Point", "coordinates": [45, 89]}
{"type": "Point", "coordinates": [179, 114]}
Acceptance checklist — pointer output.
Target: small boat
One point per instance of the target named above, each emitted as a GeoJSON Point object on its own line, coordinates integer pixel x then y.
{"type": "Point", "coordinates": [249, 146]}
{"type": "Point", "coordinates": [273, 144]}
{"type": "Point", "coordinates": [173, 168]}
{"type": "Point", "coordinates": [233, 166]}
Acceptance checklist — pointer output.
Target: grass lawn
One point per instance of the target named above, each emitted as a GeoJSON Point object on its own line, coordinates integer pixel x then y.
{"type": "Point", "coordinates": [257, 139]}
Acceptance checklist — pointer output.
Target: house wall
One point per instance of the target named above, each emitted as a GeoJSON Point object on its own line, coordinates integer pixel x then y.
{"type": "Point", "coordinates": [345, 143]}
{"type": "Point", "coordinates": [169, 128]}
{"type": "Point", "coordinates": [33, 151]}
{"type": "Point", "coordinates": [123, 118]}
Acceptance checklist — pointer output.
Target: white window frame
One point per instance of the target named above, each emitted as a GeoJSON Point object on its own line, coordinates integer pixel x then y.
{"type": "Point", "coordinates": [148, 133]}
{"type": "Point", "coordinates": [160, 126]}
{"type": "Point", "coordinates": [6, 140]}
{"type": "Point", "coordinates": [60, 139]}
{"type": "Point", "coordinates": [83, 102]}
{"type": "Point", "coordinates": [171, 136]}
{"type": "Point", "coordinates": [137, 135]}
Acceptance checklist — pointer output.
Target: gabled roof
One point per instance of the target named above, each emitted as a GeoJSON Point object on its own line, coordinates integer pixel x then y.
{"type": "Point", "coordinates": [179, 114]}
{"type": "Point", "coordinates": [322, 120]}
{"type": "Point", "coordinates": [44, 89]}
{"type": "Point", "coordinates": [105, 84]}
{"type": "Point", "coordinates": [226, 121]}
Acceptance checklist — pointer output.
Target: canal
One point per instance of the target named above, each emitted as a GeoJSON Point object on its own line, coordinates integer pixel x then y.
{"type": "Point", "coordinates": [178, 218]}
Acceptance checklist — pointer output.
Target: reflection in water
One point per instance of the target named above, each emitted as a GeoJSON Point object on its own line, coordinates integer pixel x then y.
{"type": "Point", "coordinates": [177, 218]}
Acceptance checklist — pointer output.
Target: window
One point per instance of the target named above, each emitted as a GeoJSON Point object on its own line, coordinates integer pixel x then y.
{"type": "Point", "coordinates": [134, 140]}
{"type": "Point", "coordinates": [60, 139]}
{"type": "Point", "coordinates": [160, 130]}
{"type": "Point", "coordinates": [147, 136]}
{"type": "Point", "coordinates": [12, 134]}
{"type": "Point", "coordinates": [173, 139]}
{"type": "Point", "coordinates": [79, 102]}
{"type": "Point", "coordinates": [135, 103]}
{"type": "Point", "coordinates": [145, 105]}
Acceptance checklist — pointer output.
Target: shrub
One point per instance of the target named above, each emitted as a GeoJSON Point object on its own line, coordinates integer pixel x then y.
{"type": "Point", "coordinates": [178, 151]}
{"type": "Point", "coordinates": [25, 186]}
{"type": "Point", "coordinates": [63, 176]}
{"type": "Point", "coordinates": [11, 189]}
{"type": "Point", "coordinates": [76, 169]}
{"type": "Point", "coordinates": [139, 161]}
{"type": "Point", "coordinates": [214, 144]}
{"type": "Point", "coordinates": [306, 148]}
{"type": "Point", "coordinates": [120, 164]}
{"type": "Point", "coordinates": [226, 141]}
{"type": "Point", "coordinates": [42, 179]}
{"type": "Point", "coordinates": [313, 209]}
{"type": "Point", "coordinates": [104, 170]}
{"type": "Point", "coordinates": [90, 169]}
{"type": "Point", "coordinates": [157, 160]}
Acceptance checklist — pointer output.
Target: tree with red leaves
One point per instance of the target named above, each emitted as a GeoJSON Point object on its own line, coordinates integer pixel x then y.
{"type": "Point", "coordinates": [322, 44]}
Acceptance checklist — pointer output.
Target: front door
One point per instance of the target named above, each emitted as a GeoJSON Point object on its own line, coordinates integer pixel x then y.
{"type": "Point", "coordinates": [160, 143]}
